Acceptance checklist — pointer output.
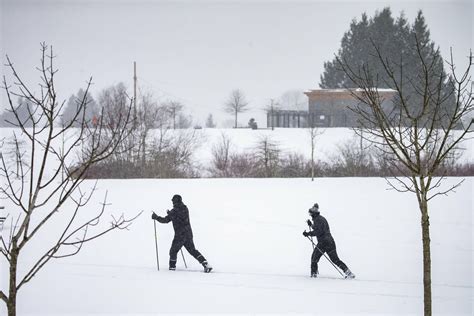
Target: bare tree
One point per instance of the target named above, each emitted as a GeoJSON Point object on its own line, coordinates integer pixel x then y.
{"type": "Point", "coordinates": [235, 104]}
{"type": "Point", "coordinates": [155, 153]}
{"type": "Point", "coordinates": [418, 133]}
{"type": "Point", "coordinates": [114, 102]}
{"type": "Point", "coordinates": [267, 156]}
{"type": "Point", "coordinates": [184, 121]}
{"type": "Point", "coordinates": [242, 165]}
{"type": "Point", "coordinates": [294, 165]}
{"type": "Point", "coordinates": [37, 190]}
{"type": "Point", "coordinates": [353, 161]}
{"type": "Point", "coordinates": [221, 157]}
{"type": "Point", "coordinates": [314, 133]}
{"type": "Point", "coordinates": [171, 154]}
{"type": "Point", "coordinates": [129, 158]}
{"type": "Point", "coordinates": [293, 100]}
{"type": "Point", "coordinates": [174, 108]}
{"type": "Point", "coordinates": [148, 117]}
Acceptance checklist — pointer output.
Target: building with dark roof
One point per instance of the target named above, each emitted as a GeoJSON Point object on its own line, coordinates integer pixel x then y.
{"type": "Point", "coordinates": [326, 108]}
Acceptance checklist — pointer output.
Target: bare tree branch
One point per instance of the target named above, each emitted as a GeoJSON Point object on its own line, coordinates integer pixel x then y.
{"type": "Point", "coordinates": [420, 130]}
{"type": "Point", "coordinates": [236, 103]}
{"type": "Point", "coordinates": [3, 297]}
{"type": "Point", "coordinates": [44, 185]}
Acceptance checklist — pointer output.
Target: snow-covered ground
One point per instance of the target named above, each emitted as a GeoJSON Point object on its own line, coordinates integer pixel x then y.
{"type": "Point", "coordinates": [250, 231]}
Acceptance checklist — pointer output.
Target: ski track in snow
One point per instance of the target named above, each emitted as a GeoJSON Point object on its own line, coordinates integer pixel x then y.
{"type": "Point", "coordinates": [233, 273]}
{"type": "Point", "coordinates": [250, 231]}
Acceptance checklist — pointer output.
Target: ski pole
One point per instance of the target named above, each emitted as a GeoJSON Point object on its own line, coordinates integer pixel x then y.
{"type": "Point", "coordinates": [182, 254]}
{"type": "Point", "coordinates": [325, 256]}
{"type": "Point", "coordinates": [156, 247]}
{"type": "Point", "coordinates": [310, 228]}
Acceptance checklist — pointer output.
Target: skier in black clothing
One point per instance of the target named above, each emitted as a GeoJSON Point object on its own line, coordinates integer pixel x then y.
{"type": "Point", "coordinates": [183, 235]}
{"type": "Point", "coordinates": [320, 229]}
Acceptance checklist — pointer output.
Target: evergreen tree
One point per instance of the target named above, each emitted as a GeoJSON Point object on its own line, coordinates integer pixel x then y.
{"type": "Point", "coordinates": [421, 30]}
{"type": "Point", "coordinates": [395, 40]}
{"type": "Point", "coordinates": [353, 50]}
{"type": "Point", "coordinates": [210, 122]}
{"type": "Point", "coordinates": [25, 112]}
{"type": "Point", "coordinates": [71, 110]}
{"type": "Point", "coordinates": [402, 35]}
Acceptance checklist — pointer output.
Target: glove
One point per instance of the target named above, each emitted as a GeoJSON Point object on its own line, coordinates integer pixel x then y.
{"type": "Point", "coordinates": [154, 216]}
{"type": "Point", "coordinates": [305, 233]}
{"type": "Point", "coordinates": [309, 222]}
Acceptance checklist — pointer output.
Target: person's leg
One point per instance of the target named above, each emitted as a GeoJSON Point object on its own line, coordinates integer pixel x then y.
{"type": "Point", "coordinates": [175, 247]}
{"type": "Point", "coordinates": [317, 253]}
{"type": "Point", "coordinates": [335, 259]}
{"type": "Point", "coordinates": [189, 245]}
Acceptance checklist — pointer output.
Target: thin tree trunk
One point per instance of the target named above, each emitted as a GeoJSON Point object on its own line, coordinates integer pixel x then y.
{"type": "Point", "coordinates": [235, 119]}
{"type": "Point", "coordinates": [312, 161]}
{"type": "Point", "coordinates": [174, 119]}
{"type": "Point", "coordinates": [425, 227]}
{"type": "Point", "coordinates": [11, 303]}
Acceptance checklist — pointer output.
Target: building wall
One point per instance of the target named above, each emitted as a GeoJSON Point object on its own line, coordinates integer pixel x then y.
{"type": "Point", "coordinates": [286, 118]}
{"type": "Point", "coordinates": [326, 108]}
{"type": "Point", "coordinates": [335, 104]}
{"type": "Point", "coordinates": [336, 112]}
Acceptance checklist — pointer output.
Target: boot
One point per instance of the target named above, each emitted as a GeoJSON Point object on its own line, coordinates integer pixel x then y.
{"type": "Point", "coordinates": [172, 265]}
{"type": "Point", "coordinates": [349, 274]}
{"type": "Point", "coordinates": [207, 267]}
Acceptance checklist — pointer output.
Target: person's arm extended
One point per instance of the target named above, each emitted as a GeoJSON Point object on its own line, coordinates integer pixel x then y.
{"type": "Point", "coordinates": [161, 219]}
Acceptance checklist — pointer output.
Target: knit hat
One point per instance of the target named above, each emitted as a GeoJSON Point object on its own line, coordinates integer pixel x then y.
{"type": "Point", "coordinates": [177, 198]}
{"type": "Point", "coordinates": [314, 210]}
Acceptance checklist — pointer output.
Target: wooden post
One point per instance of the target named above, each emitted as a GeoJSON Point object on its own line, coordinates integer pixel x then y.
{"type": "Point", "coordinates": [135, 87]}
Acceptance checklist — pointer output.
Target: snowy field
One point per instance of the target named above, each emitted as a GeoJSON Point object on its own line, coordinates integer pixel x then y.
{"type": "Point", "coordinates": [250, 231]}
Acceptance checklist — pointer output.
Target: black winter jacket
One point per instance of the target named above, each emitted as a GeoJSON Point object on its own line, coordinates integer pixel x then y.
{"type": "Point", "coordinates": [321, 229]}
{"type": "Point", "coordinates": [179, 215]}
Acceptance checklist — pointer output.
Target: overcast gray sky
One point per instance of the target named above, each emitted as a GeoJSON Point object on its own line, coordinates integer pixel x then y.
{"type": "Point", "coordinates": [198, 51]}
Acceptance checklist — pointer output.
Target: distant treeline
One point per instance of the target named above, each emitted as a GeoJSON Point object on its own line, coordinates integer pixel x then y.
{"type": "Point", "coordinates": [170, 155]}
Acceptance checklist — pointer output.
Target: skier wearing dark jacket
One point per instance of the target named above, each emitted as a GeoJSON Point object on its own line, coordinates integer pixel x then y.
{"type": "Point", "coordinates": [326, 244]}
{"type": "Point", "coordinates": [183, 235]}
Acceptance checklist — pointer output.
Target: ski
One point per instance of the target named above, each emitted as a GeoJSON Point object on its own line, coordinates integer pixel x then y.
{"type": "Point", "coordinates": [193, 270]}
{"type": "Point", "coordinates": [325, 277]}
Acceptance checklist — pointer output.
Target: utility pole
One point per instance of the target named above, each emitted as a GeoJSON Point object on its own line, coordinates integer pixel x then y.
{"type": "Point", "coordinates": [135, 88]}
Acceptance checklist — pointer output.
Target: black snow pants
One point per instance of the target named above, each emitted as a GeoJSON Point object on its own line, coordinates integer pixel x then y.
{"type": "Point", "coordinates": [185, 240]}
{"type": "Point", "coordinates": [326, 246]}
